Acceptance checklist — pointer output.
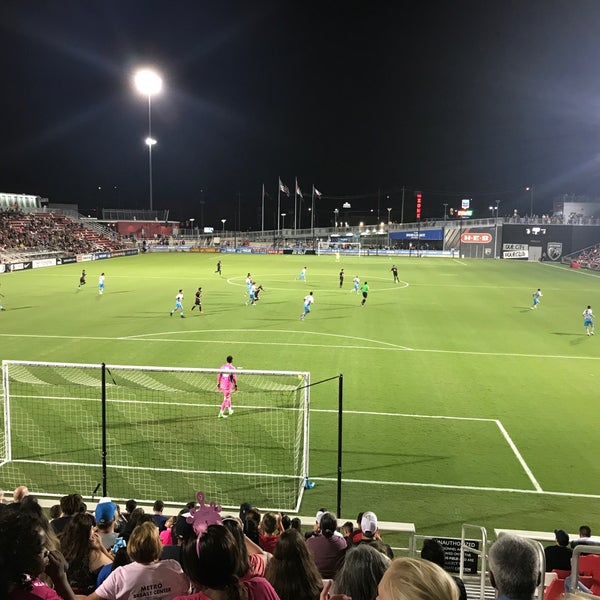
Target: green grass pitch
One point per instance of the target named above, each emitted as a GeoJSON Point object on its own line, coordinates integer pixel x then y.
{"type": "Point", "coordinates": [461, 403]}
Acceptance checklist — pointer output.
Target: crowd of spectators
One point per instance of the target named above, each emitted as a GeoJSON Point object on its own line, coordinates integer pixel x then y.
{"type": "Point", "coordinates": [589, 258]}
{"type": "Point", "coordinates": [42, 232]}
{"type": "Point", "coordinates": [200, 554]}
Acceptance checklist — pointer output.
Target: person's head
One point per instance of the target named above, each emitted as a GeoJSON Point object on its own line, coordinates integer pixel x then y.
{"type": "Point", "coordinates": [144, 543]}
{"type": "Point", "coordinates": [251, 523]}
{"type": "Point", "coordinates": [244, 508]}
{"type": "Point", "coordinates": [234, 525]}
{"type": "Point", "coordinates": [20, 493]}
{"type": "Point", "coordinates": [562, 537]}
{"type": "Point", "coordinates": [211, 560]}
{"type": "Point", "coordinates": [159, 505]}
{"type": "Point", "coordinates": [348, 529]}
{"type": "Point", "coordinates": [328, 524]}
{"type": "Point", "coordinates": [286, 522]}
{"type": "Point", "coordinates": [369, 524]}
{"type": "Point", "coordinates": [75, 538]}
{"type": "Point", "coordinates": [105, 514]}
{"type": "Point", "coordinates": [130, 506]}
{"type": "Point", "coordinates": [230, 359]}
{"type": "Point", "coordinates": [24, 555]}
{"type": "Point", "coordinates": [292, 570]}
{"type": "Point", "coordinates": [71, 504]}
{"type": "Point", "coordinates": [269, 523]}
{"type": "Point", "coordinates": [55, 511]}
{"type": "Point", "coordinates": [361, 573]}
{"type": "Point", "coordinates": [514, 566]}
{"type": "Point", "coordinates": [585, 531]}
{"type": "Point", "coordinates": [414, 579]}
{"type": "Point", "coordinates": [296, 524]}
{"type": "Point", "coordinates": [433, 551]}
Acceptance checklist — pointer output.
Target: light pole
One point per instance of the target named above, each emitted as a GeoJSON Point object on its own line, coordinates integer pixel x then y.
{"type": "Point", "coordinates": [223, 221]}
{"type": "Point", "coordinates": [494, 211]}
{"type": "Point", "coordinates": [336, 212]}
{"type": "Point", "coordinates": [149, 83]}
{"type": "Point", "coordinates": [389, 215]}
{"type": "Point", "coordinates": [530, 190]}
{"type": "Point", "coordinates": [445, 211]}
{"type": "Point", "coordinates": [192, 222]}
{"type": "Point", "coordinates": [283, 220]}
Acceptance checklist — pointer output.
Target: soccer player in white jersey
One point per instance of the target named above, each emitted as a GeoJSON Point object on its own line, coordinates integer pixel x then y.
{"type": "Point", "coordinates": [308, 300]}
{"type": "Point", "coordinates": [356, 282]}
{"type": "Point", "coordinates": [101, 284]}
{"type": "Point", "coordinates": [536, 298]}
{"type": "Point", "coordinates": [178, 304]}
{"type": "Point", "coordinates": [588, 320]}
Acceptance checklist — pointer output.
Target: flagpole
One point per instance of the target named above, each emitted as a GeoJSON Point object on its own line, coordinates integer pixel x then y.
{"type": "Point", "coordinates": [295, 201]}
{"type": "Point", "coordinates": [278, 203]}
{"type": "Point", "coordinates": [312, 216]}
{"type": "Point", "coordinates": [262, 211]}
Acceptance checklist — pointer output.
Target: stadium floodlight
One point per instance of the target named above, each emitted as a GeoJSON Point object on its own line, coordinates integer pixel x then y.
{"type": "Point", "coordinates": [149, 83]}
{"type": "Point", "coordinates": [223, 221]}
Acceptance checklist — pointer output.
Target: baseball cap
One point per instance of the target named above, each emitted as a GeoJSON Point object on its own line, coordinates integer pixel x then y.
{"type": "Point", "coordinates": [368, 523]}
{"type": "Point", "coordinates": [105, 511]}
{"type": "Point", "coordinates": [320, 513]}
{"type": "Point", "coordinates": [562, 537]}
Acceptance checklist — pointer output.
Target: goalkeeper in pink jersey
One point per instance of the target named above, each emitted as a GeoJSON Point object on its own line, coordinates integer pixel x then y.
{"type": "Point", "coordinates": [227, 383]}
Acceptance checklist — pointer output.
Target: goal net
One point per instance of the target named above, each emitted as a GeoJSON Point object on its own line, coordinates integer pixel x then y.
{"type": "Point", "coordinates": [338, 248]}
{"type": "Point", "coordinates": [153, 433]}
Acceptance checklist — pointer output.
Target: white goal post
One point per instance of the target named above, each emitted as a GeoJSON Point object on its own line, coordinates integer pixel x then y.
{"type": "Point", "coordinates": [152, 433]}
{"type": "Point", "coordinates": [338, 248]}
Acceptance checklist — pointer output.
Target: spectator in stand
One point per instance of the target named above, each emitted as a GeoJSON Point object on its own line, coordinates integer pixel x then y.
{"type": "Point", "coordinates": [105, 514]}
{"type": "Point", "coordinates": [253, 559]}
{"type": "Point", "coordinates": [164, 578]}
{"type": "Point", "coordinates": [296, 524]}
{"type": "Point", "coordinates": [348, 532]}
{"type": "Point", "coordinates": [54, 511]}
{"type": "Point", "coordinates": [361, 573]}
{"type": "Point", "coordinates": [327, 547]}
{"type": "Point", "coordinates": [514, 567]}
{"type": "Point", "coordinates": [158, 516]}
{"type": "Point", "coordinates": [69, 506]}
{"type": "Point", "coordinates": [251, 521]}
{"type": "Point", "coordinates": [130, 506]}
{"type": "Point", "coordinates": [24, 556]}
{"type": "Point", "coordinates": [82, 548]}
{"type": "Point", "coordinates": [559, 556]}
{"type": "Point", "coordinates": [370, 534]}
{"type": "Point", "coordinates": [182, 531]}
{"type": "Point", "coordinates": [433, 551]}
{"type": "Point", "coordinates": [292, 571]}
{"type": "Point", "coordinates": [137, 517]}
{"type": "Point", "coordinates": [357, 534]}
{"type": "Point", "coordinates": [20, 493]}
{"type": "Point", "coordinates": [413, 579]}
{"type": "Point", "coordinates": [212, 563]}
{"type": "Point", "coordinates": [270, 530]}
{"type": "Point", "coordinates": [166, 536]}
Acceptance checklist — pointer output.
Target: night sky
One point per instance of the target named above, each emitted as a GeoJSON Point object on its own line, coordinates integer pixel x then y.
{"type": "Point", "coordinates": [459, 99]}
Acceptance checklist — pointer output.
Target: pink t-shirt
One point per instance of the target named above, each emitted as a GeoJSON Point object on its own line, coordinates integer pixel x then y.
{"type": "Point", "coordinates": [226, 381]}
{"type": "Point", "coordinates": [258, 589]}
{"type": "Point", "coordinates": [39, 590]}
{"type": "Point", "coordinates": [162, 580]}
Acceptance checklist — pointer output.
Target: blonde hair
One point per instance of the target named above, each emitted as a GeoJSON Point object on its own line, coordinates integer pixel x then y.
{"type": "Point", "coordinates": [413, 579]}
{"type": "Point", "coordinates": [144, 543]}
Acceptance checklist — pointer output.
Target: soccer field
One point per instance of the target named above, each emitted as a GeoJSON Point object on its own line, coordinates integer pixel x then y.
{"type": "Point", "coordinates": [461, 404]}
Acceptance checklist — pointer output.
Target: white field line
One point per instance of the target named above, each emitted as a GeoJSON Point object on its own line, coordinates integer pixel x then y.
{"type": "Point", "coordinates": [387, 345]}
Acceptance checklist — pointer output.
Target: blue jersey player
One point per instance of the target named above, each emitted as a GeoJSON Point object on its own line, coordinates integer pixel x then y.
{"type": "Point", "coordinates": [536, 298]}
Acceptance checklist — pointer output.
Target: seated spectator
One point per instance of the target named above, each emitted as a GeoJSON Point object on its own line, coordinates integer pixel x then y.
{"type": "Point", "coordinates": [182, 531]}
{"type": "Point", "coordinates": [166, 536]}
{"type": "Point", "coordinates": [82, 548]}
{"type": "Point", "coordinates": [370, 534]}
{"type": "Point", "coordinates": [413, 579]}
{"type": "Point", "coordinates": [251, 523]}
{"type": "Point", "coordinates": [24, 556]}
{"type": "Point", "coordinates": [296, 524]}
{"type": "Point", "coordinates": [326, 548]}
{"type": "Point", "coordinates": [20, 493]}
{"type": "Point", "coordinates": [348, 531]}
{"type": "Point", "coordinates": [130, 506]}
{"type": "Point", "coordinates": [585, 538]}
{"type": "Point", "coordinates": [54, 511]}
{"type": "Point", "coordinates": [253, 559]}
{"type": "Point", "coordinates": [361, 573]}
{"type": "Point", "coordinates": [164, 578]}
{"type": "Point", "coordinates": [357, 534]}
{"type": "Point", "coordinates": [559, 556]}
{"type": "Point", "coordinates": [270, 530]}
{"type": "Point", "coordinates": [292, 571]}
{"type": "Point", "coordinates": [514, 567]}
{"type": "Point", "coordinates": [212, 563]}
{"type": "Point", "coordinates": [105, 514]}
{"type": "Point", "coordinates": [137, 517]}
{"type": "Point", "coordinates": [158, 516]}
{"type": "Point", "coordinates": [69, 506]}
{"type": "Point", "coordinates": [433, 551]}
